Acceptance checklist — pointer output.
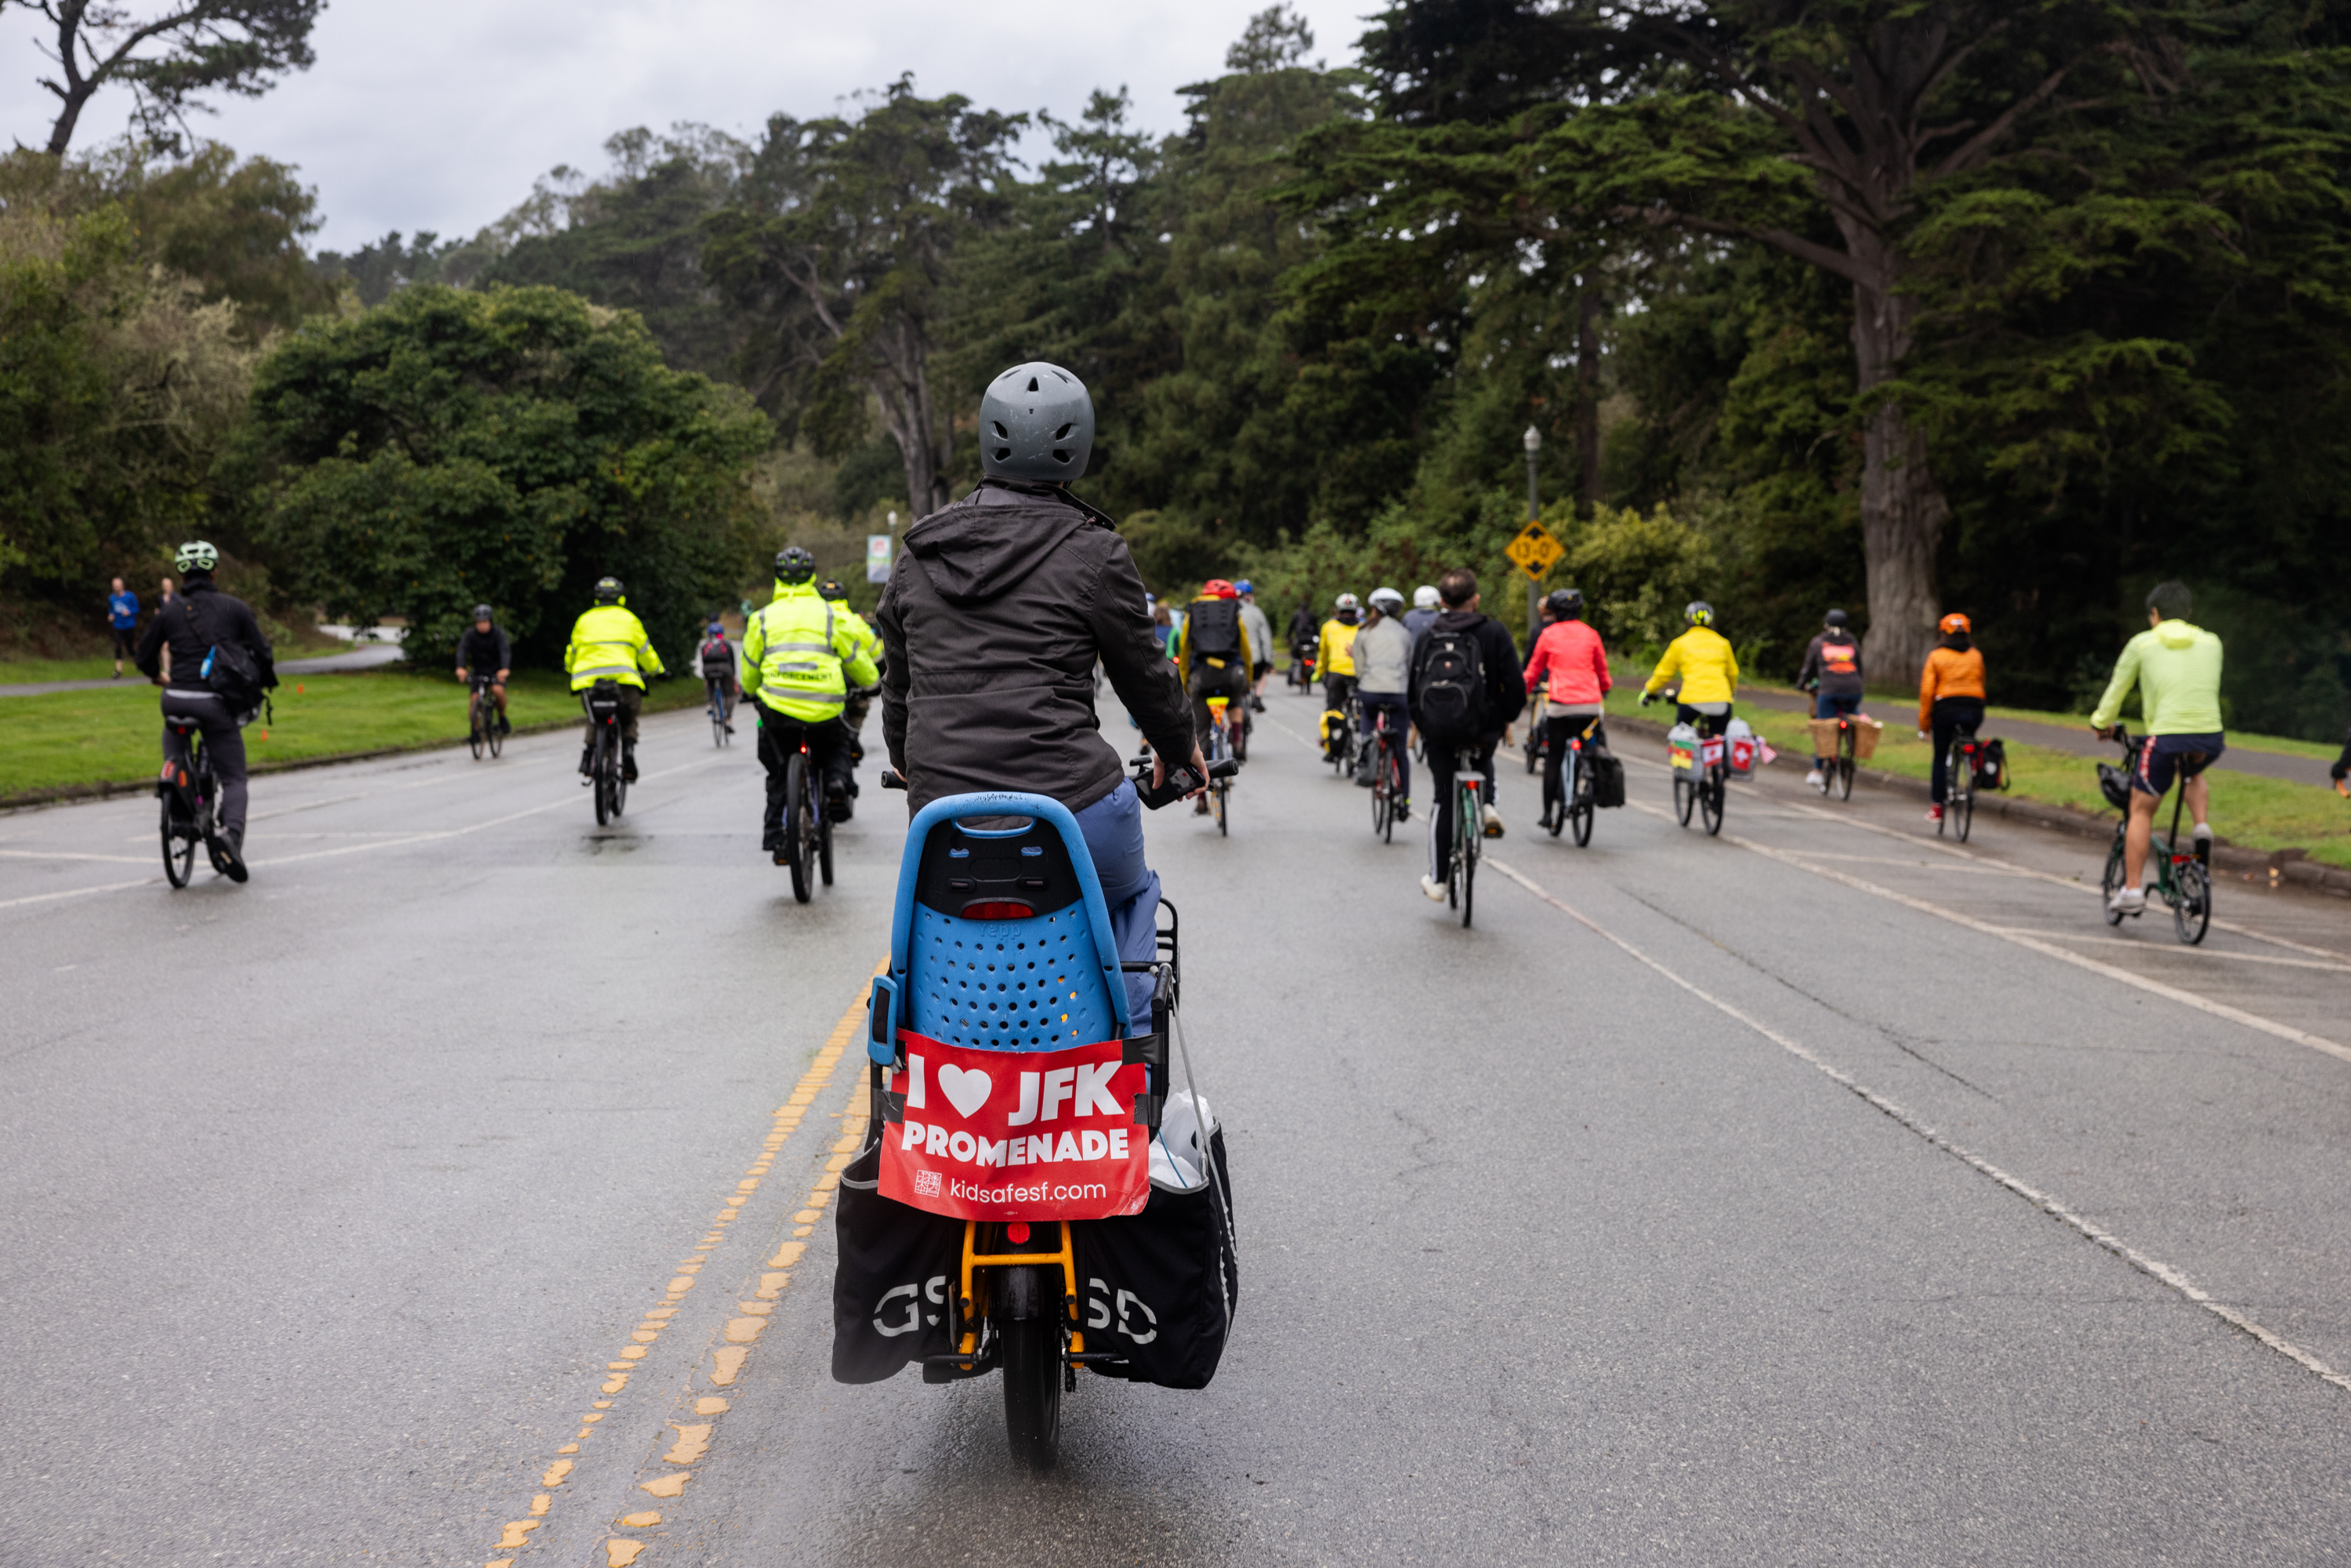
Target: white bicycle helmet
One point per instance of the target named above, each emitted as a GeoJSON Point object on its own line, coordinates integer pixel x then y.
{"type": "Point", "coordinates": [1425, 596]}
{"type": "Point", "coordinates": [1386, 601]}
{"type": "Point", "coordinates": [195, 556]}
{"type": "Point", "coordinates": [1346, 601]}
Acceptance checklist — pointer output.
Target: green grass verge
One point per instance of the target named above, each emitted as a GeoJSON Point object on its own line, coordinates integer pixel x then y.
{"type": "Point", "coordinates": [114, 734]}
{"type": "Point", "coordinates": [2259, 813]}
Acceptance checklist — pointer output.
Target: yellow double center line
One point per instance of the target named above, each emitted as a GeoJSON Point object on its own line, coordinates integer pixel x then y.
{"type": "Point", "coordinates": [733, 1347]}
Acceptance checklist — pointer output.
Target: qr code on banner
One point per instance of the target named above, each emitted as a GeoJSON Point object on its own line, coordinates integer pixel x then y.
{"type": "Point", "coordinates": [926, 1184]}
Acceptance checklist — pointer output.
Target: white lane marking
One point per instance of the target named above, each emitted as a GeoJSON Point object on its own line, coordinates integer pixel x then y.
{"type": "Point", "coordinates": [1897, 860]}
{"type": "Point", "coordinates": [2154, 1268]}
{"type": "Point", "coordinates": [1919, 842]}
{"type": "Point", "coordinates": [2169, 993]}
{"type": "Point", "coordinates": [350, 849]}
{"type": "Point", "coordinates": [2158, 948]}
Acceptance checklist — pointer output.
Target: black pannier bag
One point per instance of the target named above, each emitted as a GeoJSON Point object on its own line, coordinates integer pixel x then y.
{"type": "Point", "coordinates": [1991, 766]}
{"type": "Point", "coordinates": [1160, 1288]}
{"type": "Point", "coordinates": [1607, 779]}
{"type": "Point", "coordinates": [897, 1266]}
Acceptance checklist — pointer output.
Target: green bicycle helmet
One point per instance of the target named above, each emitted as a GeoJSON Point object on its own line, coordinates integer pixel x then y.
{"type": "Point", "coordinates": [794, 565]}
{"type": "Point", "coordinates": [608, 592]}
{"type": "Point", "coordinates": [1035, 422]}
{"type": "Point", "coordinates": [196, 555]}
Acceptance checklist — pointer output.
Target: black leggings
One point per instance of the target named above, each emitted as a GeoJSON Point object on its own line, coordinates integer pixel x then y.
{"type": "Point", "coordinates": [779, 742]}
{"type": "Point", "coordinates": [1558, 730]}
{"type": "Point", "coordinates": [1953, 718]}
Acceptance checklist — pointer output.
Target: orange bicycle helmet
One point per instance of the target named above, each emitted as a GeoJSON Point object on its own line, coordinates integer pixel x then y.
{"type": "Point", "coordinates": [1954, 623]}
{"type": "Point", "coordinates": [1217, 588]}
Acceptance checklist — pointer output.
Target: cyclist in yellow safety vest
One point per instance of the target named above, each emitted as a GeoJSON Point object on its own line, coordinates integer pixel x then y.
{"type": "Point", "coordinates": [801, 657]}
{"type": "Point", "coordinates": [1701, 656]}
{"type": "Point", "coordinates": [608, 643]}
{"type": "Point", "coordinates": [861, 698]}
{"type": "Point", "coordinates": [1334, 661]}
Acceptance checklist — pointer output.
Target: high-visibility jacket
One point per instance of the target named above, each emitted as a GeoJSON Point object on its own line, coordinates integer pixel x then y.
{"type": "Point", "coordinates": [869, 639]}
{"type": "Point", "coordinates": [2178, 669]}
{"type": "Point", "coordinates": [1701, 656]}
{"type": "Point", "coordinates": [802, 654]}
{"type": "Point", "coordinates": [608, 643]}
{"type": "Point", "coordinates": [1335, 653]}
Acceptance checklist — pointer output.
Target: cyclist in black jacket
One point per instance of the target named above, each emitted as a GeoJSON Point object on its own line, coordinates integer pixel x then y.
{"type": "Point", "coordinates": [1505, 698]}
{"type": "Point", "coordinates": [199, 620]}
{"type": "Point", "coordinates": [484, 650]}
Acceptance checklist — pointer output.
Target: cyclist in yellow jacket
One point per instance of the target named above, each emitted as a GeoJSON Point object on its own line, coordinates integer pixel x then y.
{"type": "Point", "coordinates": [800, 655]}
{"type": "Point", "coordinates": [861, 699]}
{"type": "Point", "coordinates": [608, 643]}
{"type": "Point", "coordinates": [1701, 656]}
{"type": "Point", "coordinates": [1334, 661]}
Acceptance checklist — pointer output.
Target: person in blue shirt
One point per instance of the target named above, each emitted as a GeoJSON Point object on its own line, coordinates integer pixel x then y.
{"type": "Point", "coordinates": [123, 619]}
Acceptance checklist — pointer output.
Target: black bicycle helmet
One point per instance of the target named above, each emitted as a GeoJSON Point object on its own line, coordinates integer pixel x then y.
{"type": "Point", "coordinates": [1834, 620]}
{"type": "Point", "coordinates": [1565, 603]}
{"type": "Point", "coordinates": [608, 591]}
{"type": "Point", "coordinates": [1035, 422]}
{"type": "Point", "coordinates": [830, 589]}
{"type": "Point", "coordinates": [794, 564]}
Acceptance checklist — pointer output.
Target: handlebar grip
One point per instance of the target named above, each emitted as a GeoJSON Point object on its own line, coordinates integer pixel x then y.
{"type": "Point", "coordinates": [1225, 770]}
{"type": "Point", "coordinates": [892, 779]}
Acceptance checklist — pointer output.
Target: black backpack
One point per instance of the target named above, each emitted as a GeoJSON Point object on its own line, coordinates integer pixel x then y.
{"type": "Point", "coordinates": [1452, 708]}
{"type": "Point", "coordinates": [1216, 628]}
{"type": "Point", "coordinates": [228, 670]}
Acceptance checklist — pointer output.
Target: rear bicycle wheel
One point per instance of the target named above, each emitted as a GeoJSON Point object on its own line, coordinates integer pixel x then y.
{"type": "Point", "coordinates": [179, 841]}
{"type": "Point", "coordinates": [1710, 802]}
{"type": "Point", "coordinates": [1685, 800]}
{"type": "Point", "coordinates": [1468, 830]}
{"type": "Point", "coordinates": [1031, 1352]}
{"type": "Point", "coordinates": [2192, 903]}
{"type": "Point", "coordinates": [824, 847]}
{"type": "Point", "coordinates": [717, 720]}
{"type": "Point", "coordinates": [1583, 810]}
{"type": "Point", "coordinates": [618, 763]}
{"type": "Point", "coordinates": [1223, 788]}
{"type": "Point", "coordinates": [605, 770]}
{"type": "Point", "coordinates": [1382, 798]}
{"type": "Point", "coordinates": [799, 832]}
{"type": "Point", "coordinates": [1961, 808]}
{"type": "Point", "coordinates": [1845, 776]}
{"type": "Point", "coordinates": [2111, 882]}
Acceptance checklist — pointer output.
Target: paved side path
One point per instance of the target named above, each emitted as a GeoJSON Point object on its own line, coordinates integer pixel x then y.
{"type": "Point", "coordinates": [2065, 738]}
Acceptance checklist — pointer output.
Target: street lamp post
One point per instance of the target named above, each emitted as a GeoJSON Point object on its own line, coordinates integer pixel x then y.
{"type": "Point", "coordinates": [1534, 515]}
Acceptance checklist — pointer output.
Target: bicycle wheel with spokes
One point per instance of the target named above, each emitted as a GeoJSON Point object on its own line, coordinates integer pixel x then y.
{"type": "Point", "coordinates": [1710, 803]}
{"type": "Point", "coordinates": [179, 841]}
{"type": "Point", "coordinates": [619, 762]}
{"type": "Point", "coordinates": [1685, 800]}
{"type": "Point", "coordinates": [1963, 808]}
{"type": "Point", "coordinates": [2192, 903]}
{"type": "Point", "coordinates": [1383, 799]}
{"type": "Point", "coordinates": [799, 830]}
{"type": "Point", "coordinates": [1584, 809]}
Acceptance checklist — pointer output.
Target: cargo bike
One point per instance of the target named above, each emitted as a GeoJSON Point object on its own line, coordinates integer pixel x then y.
{"type": "Point", "coordinates": [1034, 1197]}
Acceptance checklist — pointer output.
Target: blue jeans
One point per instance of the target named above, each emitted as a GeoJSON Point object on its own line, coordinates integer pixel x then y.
{"type": "Point", "coordinates": [1834, 705]}
{"type": "Point", "coordinates": [1112, 828]}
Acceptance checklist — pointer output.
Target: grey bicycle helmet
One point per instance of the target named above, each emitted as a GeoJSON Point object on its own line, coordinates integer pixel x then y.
{"type": "Point", "coordinates": [1036, 422]}
{"type": "Point", "coordinates": [794, 565]}
{"type": "Point", "coordinates": [608, 592]}
{"type": "Point", "coordinates": [482, 612]}
{"type": "Point", "coordinates": [1833, 621]}
{"type": "Point", "coordinates": [194, 556]}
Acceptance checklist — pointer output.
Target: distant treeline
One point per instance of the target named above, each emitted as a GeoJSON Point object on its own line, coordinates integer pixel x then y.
{"type": "Point", "coordinates": [2009, 309]}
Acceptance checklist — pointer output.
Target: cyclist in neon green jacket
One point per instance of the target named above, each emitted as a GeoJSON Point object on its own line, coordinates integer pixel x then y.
{"type": "Point", "coordinates": [608, 643]}
{"type": "Point", "coordinates": [2176, 668]}
{"type": "Point", "coordinates": [801, 654]}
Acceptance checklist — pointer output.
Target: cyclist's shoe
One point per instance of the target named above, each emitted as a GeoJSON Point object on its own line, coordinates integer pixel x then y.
{"type": "Point", "coordinates": [838, 807]}
{"type": "Point", "coordinates": [1934, 813]}
{"type": "Point", "coordinates": [228, 854]}
{"type": "Point", "coordinates": [506, 725]}
{"type": "Point", "coordinates": [1200, 806]}
{"type": "Point", "coordinates": [628, 767]}
{"type": "Point", "coordinates": [587, 760]}
{"type": "Point", "coordinates": [2128, 901]}
{"type": "Point", "coordinates": [2202, 837]}
{"type": "Point", "coordinates": [771, 840]}
{"type": "Point", "coordinates": [1403, 812]}
{"type": "Point", "coordinates": [1492, 818]}
{"type": "Point", "coordinates": [1814, 778]}
{"type": "Point", "coordinates": [1432, 889]}
{"type": "Point", "coordinates": [1256, 703]}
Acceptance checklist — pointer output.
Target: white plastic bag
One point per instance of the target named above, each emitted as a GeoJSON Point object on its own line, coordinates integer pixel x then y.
{"type": "Point", "coordinates": [1177, 1153]}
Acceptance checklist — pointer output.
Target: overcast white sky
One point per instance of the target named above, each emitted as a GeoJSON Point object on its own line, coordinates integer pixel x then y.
{"type": "Point", "coordinates": [437, 114]}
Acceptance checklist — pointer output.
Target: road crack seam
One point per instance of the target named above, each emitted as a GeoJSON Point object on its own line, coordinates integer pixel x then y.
{"type": "Point", "coordinates": [693, 1440]}
{"type": "Point", "coordinates": [2153, 1268]}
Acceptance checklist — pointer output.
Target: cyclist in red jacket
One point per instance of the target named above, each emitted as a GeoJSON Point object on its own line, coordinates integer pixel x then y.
{"type": "Point", "coordinates": [1568, 654]}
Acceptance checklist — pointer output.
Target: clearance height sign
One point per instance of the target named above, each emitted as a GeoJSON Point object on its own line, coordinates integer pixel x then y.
{"type": "Point", "coordinates": [992, 1134]}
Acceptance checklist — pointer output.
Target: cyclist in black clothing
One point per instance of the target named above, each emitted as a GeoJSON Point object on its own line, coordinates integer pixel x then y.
{"type": "Point", "coordinates": [1503, 699]}
{"type": "Point", "coordinates": [199, 620]}
{"type": "Point", "coordinates": [484, 650]}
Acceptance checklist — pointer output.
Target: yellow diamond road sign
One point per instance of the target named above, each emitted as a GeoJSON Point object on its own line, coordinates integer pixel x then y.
{"type": "Point", "coordinates": [1534, 551]}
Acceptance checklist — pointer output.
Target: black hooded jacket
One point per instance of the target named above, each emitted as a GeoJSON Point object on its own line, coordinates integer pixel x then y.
{"type": "Point", "coordinates": [993, 618]}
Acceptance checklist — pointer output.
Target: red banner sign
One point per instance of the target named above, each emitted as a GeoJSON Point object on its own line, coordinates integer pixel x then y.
{"type": "Point", "coordinates": [995, 1135]}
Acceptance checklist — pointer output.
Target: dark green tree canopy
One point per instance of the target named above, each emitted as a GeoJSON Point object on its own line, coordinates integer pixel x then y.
{"type": "Point", "coordinates": [507, 447]}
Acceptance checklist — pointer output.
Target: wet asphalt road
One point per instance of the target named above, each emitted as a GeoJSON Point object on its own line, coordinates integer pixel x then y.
{"type": "Point", "coordinates": [1813, 1194]}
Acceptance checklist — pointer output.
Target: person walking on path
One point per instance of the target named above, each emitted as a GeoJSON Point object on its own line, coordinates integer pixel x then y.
{"type": "Point", "coordinates": [1950, 701]}
{"type": "Point", "coordinates": [2176, 668]}
{"type": "Point", "coordinates": [122, 620]}
{"type": "Point", "coordinates": [1832, 673]}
